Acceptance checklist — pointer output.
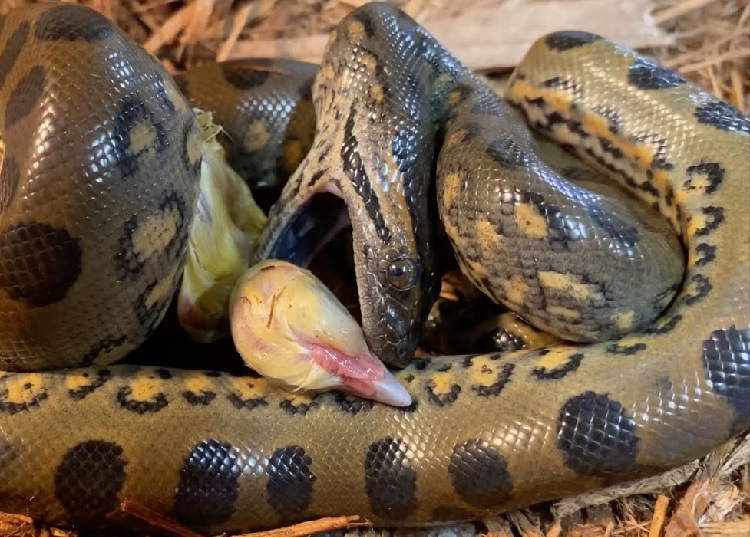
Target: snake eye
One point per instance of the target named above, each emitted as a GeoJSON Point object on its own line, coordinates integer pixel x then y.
{"type": "Point", "coordinates": [402, 273]}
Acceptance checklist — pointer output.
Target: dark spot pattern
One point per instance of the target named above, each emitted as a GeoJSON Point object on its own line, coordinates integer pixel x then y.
{"type": "Point", "coordinates": [479, 474]}
{"type": "Point", "coordinates": [25, 96]}
{"type": "Point", "coordinates": [89, 479]}
{"type": "Point", "coordinates": [12, 51]}
{"type": "Point", "coordinates": [625, 350]}
{"type": "Point", "coordinates": [355, 169]}
{"type": "Point", "coordinates": [702, 288]}
{"type": "Point", "coordinates": [714, 218]}
{"type": "Point", "coordinates": [201, 398]}
{"type": "Point", "coordinates": [664, 327]}
{"type": "Point", "coordinates": [706, 254]}
{"type": "Point", "coordinates": [726, 361]}
{"type": "Point", "coordinates": [566, 40]}
{"type": "Point", "coordinates": [595, 435]}
{"type": "Point", "coordinates": [506, 152]}
{"type": "Point", "coordinates": [208, 487]}
{"type": "Point", "coordinates": [645, 74]}
{"type": "Point", "coordinates": [571, 364]}
{"type": "Point", "coordinates": [249, 403]}
{"type": "Point", "coordinates": [353, 405]}
{"type": "Point", "coordinates": [157, 402]}
{"type": "Point", "coordinates": [46, 276]}
{"type": "Point", "coordinates": [299, 408]}
{"type": "Point", "coordinates": [290, 481]}
{"type": "Point", "coordinates": [72, 23]}
{"type": "Point", "coordinates": [10, 176]}
{"type": "Point", "coordinates": [96, 380]}
{"type": "Point", "coordinates": [442, 399]}
{"type": "Point", "coordinates": [723, 116]}
{"type": "Point", "coordinates": [494, 389]}
{"type": "Point", "coordinates": [243, 76]}
{"type": "Point", "coordinates": [105, 345]}
{"type": "Point", "coordinates": [390, 479]}
{"type": "Point", "coordinates": [711, 171]}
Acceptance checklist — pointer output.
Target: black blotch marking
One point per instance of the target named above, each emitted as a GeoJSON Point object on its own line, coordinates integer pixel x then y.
{"type": "Point", "coordinates": [25, 96]}
{"type": "Point", "coordinates": [88, 481]}
{"type": "Point", "coordinates": [208, 487]}
{"type": "Point", "coordinates": [595, 435]}
{"type": "Point", "coordinates": [726, 361]}
{"type": "Point", "coordinates": [573, 363]}
{"type": "Point", "coordinates": [665, 328]}
{"type": "Point", "coordinates": [202, 398]}
{"type": "Point", "coordinates": [442, 399]}
{"type": "Point", "coordinates": [42, 278]}
{"type": "Point", "coordinates": [625, 350]}
{"type": "Point", "coordinates": [645, 74]}
{"type": "Point", "coordinates": [706, 254]}
{"type": "Point", "coordinates": [290, 481]}
{"type": "Point", "coordinates": [702, 288]}
{"type": "Point", "coordinates": [479, 474]}
{"type": "Point", "coordinates": [164, 374]}
{"type": "Point", "coordinates": [409, 409]}
{"type": "Point", "coordinates": [250, 403]}
{"type": "Point", "coordinates": [723, 116]}
{"type": "Point", "coordinates": [494, 389]}
{"type": "Point", "coordinates": [243, 76]}
{"type": "Point", "coordinates": [100, 378]}
{"type": "Point", "coordinates": [103, 346]}
{"type": "Point", "coordinates": [390, 479]}
{"type": "Point", "coordinates": [158, 402]}
{"type": "Point", "coordinates": [10, 176]}
{"type": "Point", "coordinates": [566, 40]}
{"type": "Point", "coordinates": [135, 113]}
{"type": "Point", "coordinates": [72, 23]}
{"type": "Point", "coordinates": [616, 229]}
{"type": "Point", "coordinates": [299, 408]}
{"type": "Point", "coordinates": [612, 116]}
{"type": "Point", "coordinates": [12, 50]}
{"type": "Point", "coordinates": [506, 152]}
{"type": "Point", "coordinates": [353, 405]}
{"type": "Point", "coordinates": [355, 170]}
{"type": "Point", "coordinates": [9, 407]}
{"type": "Point", "coordinates": [444, 368]}
{"type": "Point", "coordinates": [712, 171]}
{"type": "Point", "coordinates": [714, 218]}
{"type": "Point", "coordinates": [366, 21]}
{"type": "Point", "coordinates": [420, 364]}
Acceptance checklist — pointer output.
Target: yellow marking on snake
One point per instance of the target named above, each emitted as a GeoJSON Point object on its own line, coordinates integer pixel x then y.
{"type": "Point", "coordinates": [154, 233]}
{"type": "Point", "coordinates": [257, 136]}
{"type": "Point", "coordinates": [625, 320]}
{"type": "Point", "coordinates": [23, 389]}
{"type": "Point", "coordinates": [530, 222]}
{"type": "Point", "coordinates": [516, 289]}
{"type": "Point", "coordinates": [569, 284]}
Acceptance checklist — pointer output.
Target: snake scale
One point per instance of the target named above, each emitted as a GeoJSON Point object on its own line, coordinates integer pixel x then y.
{"type": "Point", "coordinates": [99, 176]}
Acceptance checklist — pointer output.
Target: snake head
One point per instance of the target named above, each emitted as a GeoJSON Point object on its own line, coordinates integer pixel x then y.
{"type": "Point", "coordinates": [396, 285]}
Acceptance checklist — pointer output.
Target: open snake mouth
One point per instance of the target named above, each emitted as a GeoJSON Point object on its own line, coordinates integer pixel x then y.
{"type": "Point", "coordinates": [310, 229]}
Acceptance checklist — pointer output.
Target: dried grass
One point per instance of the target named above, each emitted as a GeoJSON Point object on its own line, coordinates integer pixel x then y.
{"type": "Point", "coordinates": [712, 48]}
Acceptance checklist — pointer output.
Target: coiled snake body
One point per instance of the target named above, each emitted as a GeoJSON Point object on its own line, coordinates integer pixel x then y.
{"type": "Point", "coordinates": [98, 181]}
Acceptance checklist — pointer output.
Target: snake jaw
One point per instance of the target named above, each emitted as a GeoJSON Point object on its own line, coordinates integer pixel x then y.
{"type": "Point", "coordinates": [292, 330]}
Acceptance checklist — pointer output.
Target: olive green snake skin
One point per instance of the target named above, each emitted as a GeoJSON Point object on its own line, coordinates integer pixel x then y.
{"type": "Point", "coordinates": [98, 181]}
